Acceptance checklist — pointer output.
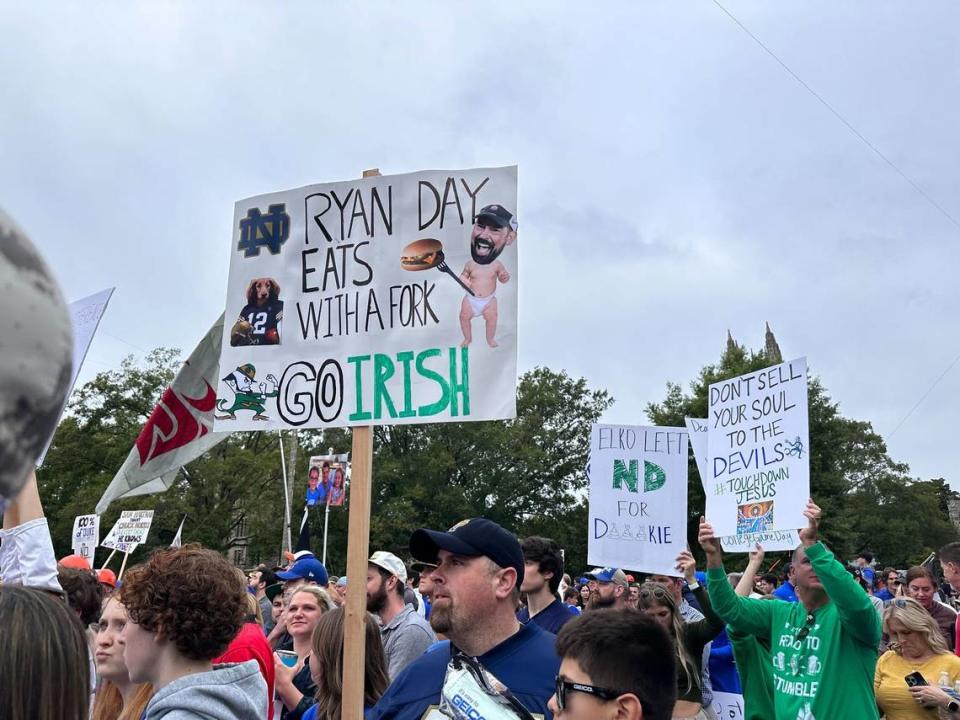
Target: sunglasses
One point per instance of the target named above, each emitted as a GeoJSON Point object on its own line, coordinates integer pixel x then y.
{"type": "Point", "coordinates": [565, 686]}
{"type": "Point", "coordinates": [805, 630]}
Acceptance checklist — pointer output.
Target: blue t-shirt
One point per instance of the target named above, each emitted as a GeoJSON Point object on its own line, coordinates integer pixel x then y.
{"type": "Point", "coordinates": [526, 662]}
{"type": "Point", "coordinates": [884, 594]}
{"type": "Point", "coordinates": [786, 592]}
{"type": "Point", "coordinates": [553, 617]}
{"type": "Point", "coordinates": [317, 496]}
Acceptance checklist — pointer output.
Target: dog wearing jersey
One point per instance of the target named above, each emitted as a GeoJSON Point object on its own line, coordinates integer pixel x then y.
{"type": "Point", "coordinates": [259, 321]}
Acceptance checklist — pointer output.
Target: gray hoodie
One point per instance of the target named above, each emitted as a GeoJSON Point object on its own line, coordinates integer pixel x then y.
{"type": "Point", "coordinates": [228, 692]}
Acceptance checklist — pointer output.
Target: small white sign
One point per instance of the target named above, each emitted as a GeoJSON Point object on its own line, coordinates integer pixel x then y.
{"type": "Point", "coordinates": [129, 531]}
{"type": "Point", "coordinates": [86, 535]}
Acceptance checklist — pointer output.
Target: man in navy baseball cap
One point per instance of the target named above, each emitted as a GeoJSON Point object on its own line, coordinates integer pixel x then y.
{"type": "Point", "coordinates": [305, 570]}
{"type": "Point", "coordinates": [471, 538]}
{"type": "Point", "coordinates": [476, 590]}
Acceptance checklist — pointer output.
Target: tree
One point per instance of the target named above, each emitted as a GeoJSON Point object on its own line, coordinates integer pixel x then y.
{"type": "Point", "coordinates": [216, 493]}
{"type": "Point", "coordinates": [526, 473]}
{"type": "Point", "coordinates": [869, 501]}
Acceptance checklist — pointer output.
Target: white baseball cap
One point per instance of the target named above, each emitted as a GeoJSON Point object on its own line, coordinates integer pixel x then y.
{"type": "Point", "coordinates": [391, 563]}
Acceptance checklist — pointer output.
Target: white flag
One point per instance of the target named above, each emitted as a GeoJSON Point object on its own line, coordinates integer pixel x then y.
{"type": "Point", "coordinates": [85, 316]}
{"type": "Point", "coordinates": [177, 541]}
{"type": "Point", "coordinates": [179, 428]}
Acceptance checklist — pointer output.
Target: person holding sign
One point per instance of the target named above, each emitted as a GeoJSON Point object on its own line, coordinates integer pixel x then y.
{"type": "Point", "coordinates": [689, 638]}
{"type": "Point", "coordinates": [824, 648]}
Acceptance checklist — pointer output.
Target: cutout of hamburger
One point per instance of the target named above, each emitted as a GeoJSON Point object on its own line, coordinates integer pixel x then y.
{"type": "Point", "coordinates": [427, 253]}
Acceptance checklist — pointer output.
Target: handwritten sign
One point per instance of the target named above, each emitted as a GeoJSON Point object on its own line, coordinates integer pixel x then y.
{"type": "Point", "coordinates": [381, 300]}
{"type": "Point", "coordinates": [129, 531]}
{"type": "Point", "coordinates": [86, 535]}
{"type": "Point", "coordinates": [727, 706]}
{"type": "Point", "coordinates": [773, 541]}
{"type": "Point", "coordinates": [638, 497]}
{"type": "Point", "coordinates": [758, 476]}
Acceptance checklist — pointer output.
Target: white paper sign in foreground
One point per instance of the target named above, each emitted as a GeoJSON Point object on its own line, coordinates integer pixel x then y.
{"type": "Point", "coordinates": [774, 541]}
{"type": "Point", "coordinates": [758, 449]}
{"type": "Point", "coordinates": [86, 535]}
{"type": "Point", "coordinates": [129, 531]}
{"type": "Point", "coordinates": [638, 497]}
{"type": "Point", "coordinates": [379, 300]}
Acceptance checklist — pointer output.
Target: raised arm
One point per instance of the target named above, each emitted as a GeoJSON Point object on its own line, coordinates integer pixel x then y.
{"type": "Point", "coordinates": [705, 630]}
{"type": "Point", "coordinates": [744, 615]}
{"type": "Point", "coordinates": [26, 553]}
{"type": "Point", "coordinates": [747, 581]}
{"type": "Point", "coordinates": [857, 614]}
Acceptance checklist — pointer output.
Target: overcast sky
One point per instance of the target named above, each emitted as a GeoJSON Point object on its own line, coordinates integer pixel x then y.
{"type": "Point", "coordinates": [675, 181]}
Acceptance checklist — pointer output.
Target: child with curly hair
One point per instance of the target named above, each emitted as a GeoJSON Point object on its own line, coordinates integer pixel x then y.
{"type": "Point", "coordinates": [185, 606]}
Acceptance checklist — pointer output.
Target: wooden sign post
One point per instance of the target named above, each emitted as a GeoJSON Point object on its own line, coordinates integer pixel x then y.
{"type": "Point", "coordinates": [358, 552]}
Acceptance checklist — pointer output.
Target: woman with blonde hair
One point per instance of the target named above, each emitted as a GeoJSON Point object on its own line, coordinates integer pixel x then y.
{"type": "Point", "coordinates": [327, 666]}
{"type": "Point", "coordinates": [295, 685]}
{"type": "Point", "coordinates": [917, 650]}
{"type": "Point", "coordinates": [689, 638]}
{"type": "Point", "coordinates": [117, 697]}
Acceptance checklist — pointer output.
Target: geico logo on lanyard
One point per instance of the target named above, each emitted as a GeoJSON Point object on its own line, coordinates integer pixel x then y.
{"type": "Point", "coordinates": [471, 712]}
{"type": "Point", "coordinates": [471, 692]}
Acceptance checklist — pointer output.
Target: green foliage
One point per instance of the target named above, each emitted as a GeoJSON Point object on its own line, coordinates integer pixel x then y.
{"type": "Point", "coordinates": [869, 501]}
{"type": "Point", "coordinates": [526, 473]}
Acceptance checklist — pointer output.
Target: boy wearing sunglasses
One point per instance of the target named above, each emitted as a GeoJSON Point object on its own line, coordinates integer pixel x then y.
{"type": "Point", "coordinates": [615, 664]}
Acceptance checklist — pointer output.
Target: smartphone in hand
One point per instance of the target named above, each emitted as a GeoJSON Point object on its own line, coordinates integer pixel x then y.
{"type": "Point", "coordinates": [915, 679]}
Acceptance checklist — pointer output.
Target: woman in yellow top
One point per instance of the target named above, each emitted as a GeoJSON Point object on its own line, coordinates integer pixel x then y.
{"type": "Point", "coordinates": [916, 646]}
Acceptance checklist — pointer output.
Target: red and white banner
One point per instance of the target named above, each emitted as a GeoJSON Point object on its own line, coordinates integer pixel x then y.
{"type": "Point", "coordinates": [179, 428]}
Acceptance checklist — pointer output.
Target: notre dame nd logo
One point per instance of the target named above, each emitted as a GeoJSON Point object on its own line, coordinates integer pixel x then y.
{"type": "Point", "coordinates": [269, 230]}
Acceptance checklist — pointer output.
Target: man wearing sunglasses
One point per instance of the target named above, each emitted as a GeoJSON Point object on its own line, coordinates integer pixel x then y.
{"type": "Point", "coordinates": [824, 648]}
{"type": "Point", "coordinates": [615, 665]}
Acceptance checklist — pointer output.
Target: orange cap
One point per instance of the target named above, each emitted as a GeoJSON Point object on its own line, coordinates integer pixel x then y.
{"type": "Point", "coordinates": [77, 562]}
{"type": "Point", "coordinates": [107, 577]}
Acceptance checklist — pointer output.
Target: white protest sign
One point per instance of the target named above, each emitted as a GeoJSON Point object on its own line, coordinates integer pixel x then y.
{"type": "Point", "coordinates": [638, 497]}
{"type": "Point", "coordinates": [86, 535]}
{"type": "Point", "coordinates": [129, 531]}
{"type": "Point", "coordinates": [85, 317]}
{"type": "Point", "coordinates": [758, 476]}
{"type": "Point", "coordinates": [380, 300]}
{"type": "Point", "coordinates": [727, 706]}
{"type": "Point", "coordinates": [774, 541]}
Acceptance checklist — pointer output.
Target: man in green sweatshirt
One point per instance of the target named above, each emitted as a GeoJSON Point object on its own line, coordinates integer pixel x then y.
{"type": "Point", "coordinates": [823, 650]}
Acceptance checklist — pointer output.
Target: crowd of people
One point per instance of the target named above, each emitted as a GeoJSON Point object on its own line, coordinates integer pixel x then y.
{"type": "Point", "coordinates": [476, 624]}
